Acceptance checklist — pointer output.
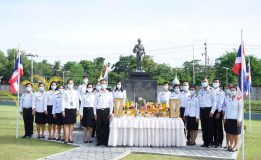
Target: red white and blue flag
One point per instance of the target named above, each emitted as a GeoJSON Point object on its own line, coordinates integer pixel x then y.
{"type": "Point", "coordinates": [106, 73]}
{"type": "Point", "coordinates": [240, 65]}
{"type": "Point", "coordinates": [17, 74]}
{"type": "Point", "coordinates": [248, 77]}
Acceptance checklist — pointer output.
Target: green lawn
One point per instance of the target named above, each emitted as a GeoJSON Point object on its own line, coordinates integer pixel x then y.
{"type": "Point", "coordinates": [22, 149]}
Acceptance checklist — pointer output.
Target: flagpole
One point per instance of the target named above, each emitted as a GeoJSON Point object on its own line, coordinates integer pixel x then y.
{"type": "Point", "coordinates": [249, 96]}
{"type": "Point", "coordinates": [242, 92]}
{"type": "Point", "coordinates": [18, 95]}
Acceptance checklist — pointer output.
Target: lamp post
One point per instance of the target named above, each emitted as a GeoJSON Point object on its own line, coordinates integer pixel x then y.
{"type": "Point", "coordinates": [63, 73]}
{"type": "Point", "coordinates": [32, 64]}
{"type": "Point", "coordinates": [226, 68]}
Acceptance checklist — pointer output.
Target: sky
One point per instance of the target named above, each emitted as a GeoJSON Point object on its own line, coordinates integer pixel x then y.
{"type": "Point", "coordinates": [85, 29]}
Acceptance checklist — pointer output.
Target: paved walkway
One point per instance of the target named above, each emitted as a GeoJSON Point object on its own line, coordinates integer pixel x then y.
{"type": "Point", "coordinates": [92, 152]}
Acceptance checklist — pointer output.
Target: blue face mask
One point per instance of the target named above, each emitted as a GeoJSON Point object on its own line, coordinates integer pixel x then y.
{"type": "Point", "coordinates": [53, 87]}
{"type": "Point", "coordinates": [41, 89]}
{"type": "Point", "coordinates": [233, 93]}
{"type": "Point", "coordinates": [204, 84]}
{"type": "Point", "coordinates": [192, 92]}
{"type": "Point", "coordinates": [98, 87]}
{"type": "Point", "coordinates": [104, 86]}
{"type": "Point", "coordinates": [227, 91]}
{"type": "Point", "coordinates": [215, 85]}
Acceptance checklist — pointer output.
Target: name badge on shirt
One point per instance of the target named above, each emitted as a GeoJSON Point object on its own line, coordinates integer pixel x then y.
{"type": "Point", "coordinates": [71, 103]}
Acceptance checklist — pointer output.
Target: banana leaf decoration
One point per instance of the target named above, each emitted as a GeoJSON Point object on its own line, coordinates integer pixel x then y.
{"type": "Point", "coordinates": [43, 80]}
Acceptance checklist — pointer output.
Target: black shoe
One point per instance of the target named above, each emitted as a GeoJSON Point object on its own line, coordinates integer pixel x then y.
{"type": "Point", "coordinates": [62, 139]}
{"type": "Point", "coordinates": [85, 141]}
{"type": "Point", "coordinates": [71, 141]}
{"type": "Point", "coordinates": [43, 137]}
{"type": "Point", "coordinates": [65, 142]}
{"type": "Point", "coordinates": [90, 141]}
{"type": "Point", "coordinates": [50, 139]}
{"type": "Point", "coordinates": [203, 145]}
{"type": "Point", "coordinates": [98, 144]}
{"type": "Point", "coordinates": [30, 136]}
{"type": "Point", "coordinates": [24, 136]}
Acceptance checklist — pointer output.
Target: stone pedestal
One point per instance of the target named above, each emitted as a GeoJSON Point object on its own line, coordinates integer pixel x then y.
{"type": "Point", "coordinates": [140, 84]}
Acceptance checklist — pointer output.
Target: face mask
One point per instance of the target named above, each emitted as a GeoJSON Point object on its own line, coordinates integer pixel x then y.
{"type": "Point", "coordinates": [227, 91]}
{"type": "Point", "coordinates": [28, 89]}
{"type": "Point", "coordinates": [165, 87]}
{"type": "Point", "coordinates": [53, 87]}
{"type": "Point", "coordinates": [41, 89]}
{"type": "Point", "coordinates": [215, 85]}
{"type": "Point", "coordinates": [85, 81]}
{"type": "Point", "coordinates": [98, 87]}
{"type": "Point", "coordinates": [176, 90]}
{"type": "Point", "coordinates": [118, 86]}
{"type": "Point", "coordinates": [233, 93]}
{"type": "Point", "coordinates": [185, 88]}
{"type": "Point", "coordinates": [204, 84]}
{"type": "Point", "coordinates": [60, 90]}
{"type": "Point", "coordinates": [104, 86]}
{"type": "Point", "coordinates": [89, 90]}
{"type": "Point", "coordinates": [192, 92]}
{"type": "Point", "coordinates": [70, 86]}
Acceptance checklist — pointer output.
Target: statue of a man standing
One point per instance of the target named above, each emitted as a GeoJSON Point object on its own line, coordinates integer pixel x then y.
{"type": "Point", "coordinates": [140, 53]}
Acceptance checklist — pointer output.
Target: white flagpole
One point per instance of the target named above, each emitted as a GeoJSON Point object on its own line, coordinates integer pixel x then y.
{"type": "Point", "coordinates": [249, 96]}
{"type": "Point", "coordinates": [242, 90]}
{"type": "Point", "coordinates": [18, 95]}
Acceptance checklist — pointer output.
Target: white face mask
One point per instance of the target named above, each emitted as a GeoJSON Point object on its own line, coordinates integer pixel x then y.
{"type": "Point", "coordinates": [185, 88]}
{"type": "Point", "coordinates": [118, 86]}
{"type": "Point", "coordinates": [176, 90]}
{"type": "Point", "coordinates": [165, 87]}
{"type": "Point", "coordinates": [85, 81]}
{"type": "Point", "coordinates": [89, 90]}
{"type": "Point", "coordinates": [233, 93]}
{"type": "Point", "coordinates": [70, 86]}
{"type": "Point", "coordinates": [60, 90]}
{"type": "Point", "coordinates": [215, 85]}
{"type": "Point", "coordinates": [28, 89]}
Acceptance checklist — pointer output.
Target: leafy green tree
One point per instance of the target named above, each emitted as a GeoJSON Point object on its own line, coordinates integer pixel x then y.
{"type": "Point", "coordinates": [75, 71]}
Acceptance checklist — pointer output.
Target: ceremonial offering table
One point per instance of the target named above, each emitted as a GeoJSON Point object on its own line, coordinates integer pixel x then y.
{"type": "Point", "coordinates": [146, 131]}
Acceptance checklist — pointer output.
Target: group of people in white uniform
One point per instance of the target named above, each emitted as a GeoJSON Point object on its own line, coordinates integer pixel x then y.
{"type": "Point", "coordinates": [60, 106]}
{"type": "Point", "coordinates": [214, 108]}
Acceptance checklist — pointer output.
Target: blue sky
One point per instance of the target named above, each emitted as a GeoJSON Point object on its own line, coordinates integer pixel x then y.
{"type": "Point", "coordinates": [85, 29]}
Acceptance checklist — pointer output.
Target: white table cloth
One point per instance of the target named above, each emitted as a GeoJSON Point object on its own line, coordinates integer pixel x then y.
{"type": "Point", "coordinates": [145, 131]}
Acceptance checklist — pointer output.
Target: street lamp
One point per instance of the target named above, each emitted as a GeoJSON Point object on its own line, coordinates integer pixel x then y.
{"type": "Point", "coordinates": [226, 68]}
{"type": "Point", "coordinates": [63, 73]}
{"type": "Point", "coordinates": [32, 64]}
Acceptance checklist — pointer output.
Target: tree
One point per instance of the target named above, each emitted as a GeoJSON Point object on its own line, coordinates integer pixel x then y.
{"type": "Point", "coordinates": [89, 70]}
{"type": "Point", "coordinates": [75, 71]}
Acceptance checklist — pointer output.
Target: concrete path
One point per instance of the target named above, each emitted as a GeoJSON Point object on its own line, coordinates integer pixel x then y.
{"type": "Point", "coordinates": [91, 152]}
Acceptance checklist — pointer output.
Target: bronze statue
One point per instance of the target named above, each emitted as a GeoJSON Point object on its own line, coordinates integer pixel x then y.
{"type": "Point", "coordinates": [140, 53]}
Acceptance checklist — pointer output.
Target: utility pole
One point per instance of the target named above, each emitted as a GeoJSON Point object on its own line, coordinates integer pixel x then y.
{"type": "Point", "coordinates": [226, 68]}
{"type": "Point", "coordinates": [32, 64]}
{"type": "Point", "coordinates": [193, 65]}
{"type": "Point", "coordinates": [206, 58]}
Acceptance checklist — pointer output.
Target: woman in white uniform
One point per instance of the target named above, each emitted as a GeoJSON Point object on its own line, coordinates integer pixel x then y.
{"type": "Point", "coordinates": [39, 110]}
{"type": "Point", "coordinates": [49, 96]}
{"type": "Point", "coordinates": [57, 111]}
{"type": "Point", "coordinates": [176, 92]}
{"type": "Point", "coordinates": [119, 92]}
{"type": "Point", "coordinates": [192, 115]}
{"type": "Point", "coordinates": [87, 114]}
{"type": "Point", "coordinates": [70, 108]}
{"type": "Point", "coordinates": [233, 119]}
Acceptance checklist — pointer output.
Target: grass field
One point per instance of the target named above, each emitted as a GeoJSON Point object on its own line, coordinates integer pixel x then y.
{"type": "Point", "coordinates": [22, 149]}
{"type": "Point", "coordinates": [27, 149]}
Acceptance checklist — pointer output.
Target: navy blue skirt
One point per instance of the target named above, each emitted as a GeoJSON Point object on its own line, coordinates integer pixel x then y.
{"type": "Point", "coordinates": [40, 118]}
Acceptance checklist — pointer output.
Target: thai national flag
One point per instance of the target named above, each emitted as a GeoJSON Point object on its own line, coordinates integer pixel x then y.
{"type": "Point", "coordinates": [17, 74]}
{"type": "Point", "coordinates": [248, 77]}
{"type": "Point", "coordinates": [106, 72]}
{"type": "Point", "coordinates": [240, 62]}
